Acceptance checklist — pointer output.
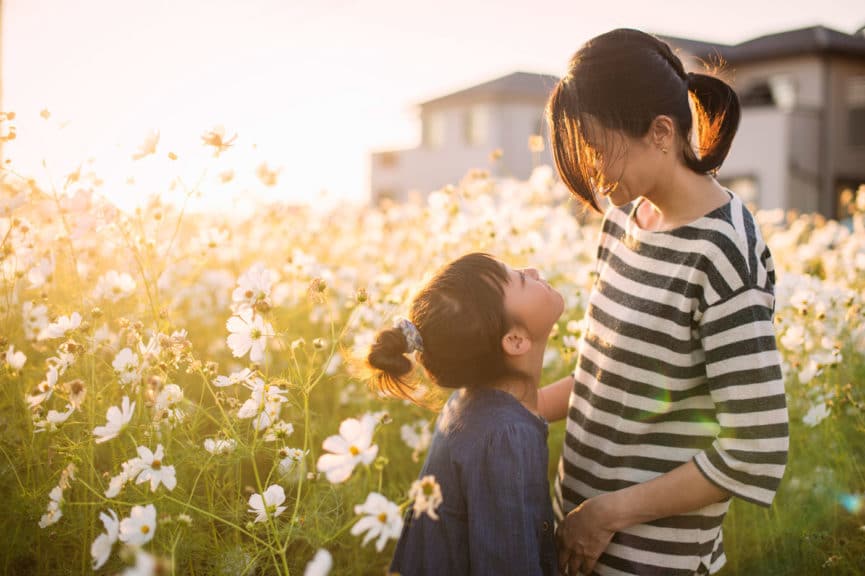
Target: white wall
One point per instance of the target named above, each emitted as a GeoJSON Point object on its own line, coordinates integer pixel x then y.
{"type": "Point", "coordinates": [761, 150]}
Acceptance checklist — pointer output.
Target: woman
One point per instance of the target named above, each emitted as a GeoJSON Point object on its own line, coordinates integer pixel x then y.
{"type": "Point", "coordinates": [676, 403]}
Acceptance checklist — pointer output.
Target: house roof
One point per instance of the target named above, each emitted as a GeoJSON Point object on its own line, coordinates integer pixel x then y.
{"type": "Point", "coordinates": [813, 40]}
{"type": "Point", "coordinates": [516, 85]}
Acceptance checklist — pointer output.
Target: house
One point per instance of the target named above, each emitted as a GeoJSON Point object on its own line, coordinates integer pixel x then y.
{"type": "Point", "coordinates": [801, 139]}
{"type": "Point", "coordinates": [460, 132]}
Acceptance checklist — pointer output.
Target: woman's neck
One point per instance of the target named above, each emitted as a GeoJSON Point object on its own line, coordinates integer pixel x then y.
{"type": "Point", "coordinates": [683, 197]}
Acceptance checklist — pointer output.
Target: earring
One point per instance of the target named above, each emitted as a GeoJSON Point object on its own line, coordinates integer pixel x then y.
{"type": "Point", "coordinates": [664, 150]}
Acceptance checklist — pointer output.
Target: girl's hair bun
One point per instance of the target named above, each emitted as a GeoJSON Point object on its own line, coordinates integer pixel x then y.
{"type": "Point", "coordinates": [387, 357]}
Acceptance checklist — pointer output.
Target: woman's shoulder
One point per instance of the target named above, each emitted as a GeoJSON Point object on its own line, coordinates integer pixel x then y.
{"type": "Point", "coordinates": [734, 251]}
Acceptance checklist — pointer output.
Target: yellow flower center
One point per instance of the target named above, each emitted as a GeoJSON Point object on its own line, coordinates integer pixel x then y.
{"type": "Point", "coordinates": [157, 464]}
{"type": "Point", "coordinates": [354, 451]}
{"type": "Point", "coordinates": [427, 489]}
{"type": "Point", "coordinates": [382, 517]}
{"type": "Point", "coordinates": [145, 529]}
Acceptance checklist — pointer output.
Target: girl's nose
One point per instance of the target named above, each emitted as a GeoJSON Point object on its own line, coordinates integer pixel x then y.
{"type": "Point", "coordinates": [532, 273]}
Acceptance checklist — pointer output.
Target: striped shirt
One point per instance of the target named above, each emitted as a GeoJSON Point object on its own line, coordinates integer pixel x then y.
{"type": "Point", "coordinates": [678, 362]}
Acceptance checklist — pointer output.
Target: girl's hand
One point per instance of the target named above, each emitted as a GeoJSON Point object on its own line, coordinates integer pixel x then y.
{"type": "Point", "coordinates": [584, 535]}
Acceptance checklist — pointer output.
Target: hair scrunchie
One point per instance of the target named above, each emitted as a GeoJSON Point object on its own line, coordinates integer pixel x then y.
{"type": "Point", "coordinates": [413, 340]}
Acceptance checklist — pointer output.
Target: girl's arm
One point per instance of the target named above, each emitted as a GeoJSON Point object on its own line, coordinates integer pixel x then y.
{"type": "Point", "coordinates": [553, 399]}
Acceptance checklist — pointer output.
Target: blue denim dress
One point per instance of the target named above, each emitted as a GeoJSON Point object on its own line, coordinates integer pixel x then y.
{"type": "Point", "coordinates": [489, 454]}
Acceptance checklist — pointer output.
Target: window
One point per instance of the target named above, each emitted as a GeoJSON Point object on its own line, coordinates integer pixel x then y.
{"type": "Point", "coordinates": [856, 111]}
{"type": "Point", "coordinates": [779, 91]}
{"type": "Point", "coordinates": [476, 126]}
{"type": "Point", "coordinates": [783, 88]}
{"type": "Point", "coordinates": [433, 130]}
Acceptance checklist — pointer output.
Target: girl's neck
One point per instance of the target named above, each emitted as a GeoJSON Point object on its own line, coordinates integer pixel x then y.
{"type": "Point", "coordinates": [525, 389]}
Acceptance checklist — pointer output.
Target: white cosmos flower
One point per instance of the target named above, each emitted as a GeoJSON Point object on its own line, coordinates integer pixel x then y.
{"type": "Point", "coordinates": [809, 371]}
{"type": "Point", "coordinates": [129, 471]}
{"type": "Point", "coordinates": [41, 273]}
{"type": "Point", "coordinates": [62, 325]}
{"type": "Point", "coordinates": [217, 446]}
{"type": "Point", "coordinates": [349, 448]}
{"type": "Point", "coordinates": [264, 404]}
{"type": "Point", "coordinates": [145, 565]}
{"type": "Point", "coordinates": [291, 457]}
{"type": "Point", "coordinates": [101, 547]}
{"type": "Point", "coordinates": [125, 364]}
{"type": "Point", "coordinates": [62, 361]}
{"type": "Point", "coordinates": [320, 565]}
{"type": "Point", "coordinates": [35, 318]}
{"type": "Point", "coordinates": [254, 286]}
{"type": "Point", "coordinates": [268, 503]}
{"type": "Point", "coordinates": [249, 333]}
{"type": "Point", "coordinates": [793, 338]}
{"type": "Point", "coordinates": [381, 519]}
{"type": "Point", "coordinates": [53, 512]}
{"type": "Point", "coordinates": [54, 419]}
{"type": "Point", "coordinates": [118, 418]}
{"type": "Point", "coordinates": [45, 388]}
{"type": "Point", "coordinates": [816, 414]}
{"type": "Point", "coordinates": [280, 430]}
{"type": "Point", "coordinates": [154, 470]}
{"type": "Point", "coordinates": [15, 359]}
{"type": "Point", "coordinates": [114, 286]}
{"type": "Point", "coordinates": [170, 395]}
{"type": "Point", "coordinates": [427, 496]}
{"type": "Point", "coordinates": [139, 528]}
{"type": "Point", "coordinates": [417, 436]}
{"type": "Point", "coordinates": [244, 376]}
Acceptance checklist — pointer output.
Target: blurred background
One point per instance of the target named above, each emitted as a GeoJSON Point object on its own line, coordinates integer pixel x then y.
{"type": "Point", "coordinates": [355, 101]}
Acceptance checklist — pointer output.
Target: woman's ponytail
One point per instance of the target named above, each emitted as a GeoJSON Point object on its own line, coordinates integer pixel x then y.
{"type": "Point", "coordinates": [717, 115]}
{"type": "Point", "coordinates": [390, 364]}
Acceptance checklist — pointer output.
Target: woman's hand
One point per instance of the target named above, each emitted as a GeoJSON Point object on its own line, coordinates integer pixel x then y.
{"type": "Point", "coordinates": [584, 535]}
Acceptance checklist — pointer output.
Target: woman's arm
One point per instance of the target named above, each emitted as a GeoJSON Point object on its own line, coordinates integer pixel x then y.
{"type": "Point", "coordinates": [553, 399]}
{"type": "Point", "coordinates": [746, 458]}
{"type": "Point", "coordinates": [588, 529]}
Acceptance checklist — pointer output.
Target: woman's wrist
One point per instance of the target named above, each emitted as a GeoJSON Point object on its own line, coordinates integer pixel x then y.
{"type": "Point", "coordinates": [608, 511]}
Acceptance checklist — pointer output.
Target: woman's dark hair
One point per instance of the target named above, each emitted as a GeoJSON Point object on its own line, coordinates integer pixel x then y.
{"type": "Point", "coordinates": [624, 79]}
{"type": "Point", "coordinates": [460, 314]}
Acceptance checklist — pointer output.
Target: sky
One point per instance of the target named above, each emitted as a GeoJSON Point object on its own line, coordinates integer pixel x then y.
{"type": "Point", "coordinates": [310, 87]}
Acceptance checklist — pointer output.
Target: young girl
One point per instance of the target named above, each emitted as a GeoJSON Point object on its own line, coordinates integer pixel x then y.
{"type": "Point", "coordinates": [677, 401]}
{"type": "Point", "coordinates": [479, 327]}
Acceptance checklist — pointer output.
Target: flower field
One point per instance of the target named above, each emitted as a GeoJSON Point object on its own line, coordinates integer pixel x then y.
{"type": "Point", "coordinates": [181, 392]}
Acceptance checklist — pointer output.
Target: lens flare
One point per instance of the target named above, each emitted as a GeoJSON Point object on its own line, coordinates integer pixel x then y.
{"type": "Point", "coordinates": [852, 503]}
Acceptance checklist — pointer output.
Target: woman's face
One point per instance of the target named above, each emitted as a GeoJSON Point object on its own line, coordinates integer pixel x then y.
{"type": "Point", "coordinates": [627, 167]}
{"type": "Point", "coordinates": [532, 301]}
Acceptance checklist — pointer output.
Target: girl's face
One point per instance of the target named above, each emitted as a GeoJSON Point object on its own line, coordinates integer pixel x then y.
{"type": "Point", "coordinates": [627, 167]}
{"type": "Point", "coordinates": [532, 302]}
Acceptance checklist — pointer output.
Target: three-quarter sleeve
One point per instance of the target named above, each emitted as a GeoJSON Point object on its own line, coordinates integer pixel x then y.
{"type": "Point", "coordinates": [743, 370]}
{"type": "Point", "coordinates": [505, 491]}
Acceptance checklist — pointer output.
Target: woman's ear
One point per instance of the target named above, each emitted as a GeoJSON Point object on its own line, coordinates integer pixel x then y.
{"type": "Point", "coordinates": [516, 342]}
{"type": "Point", "coordinates": [662, 132]}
